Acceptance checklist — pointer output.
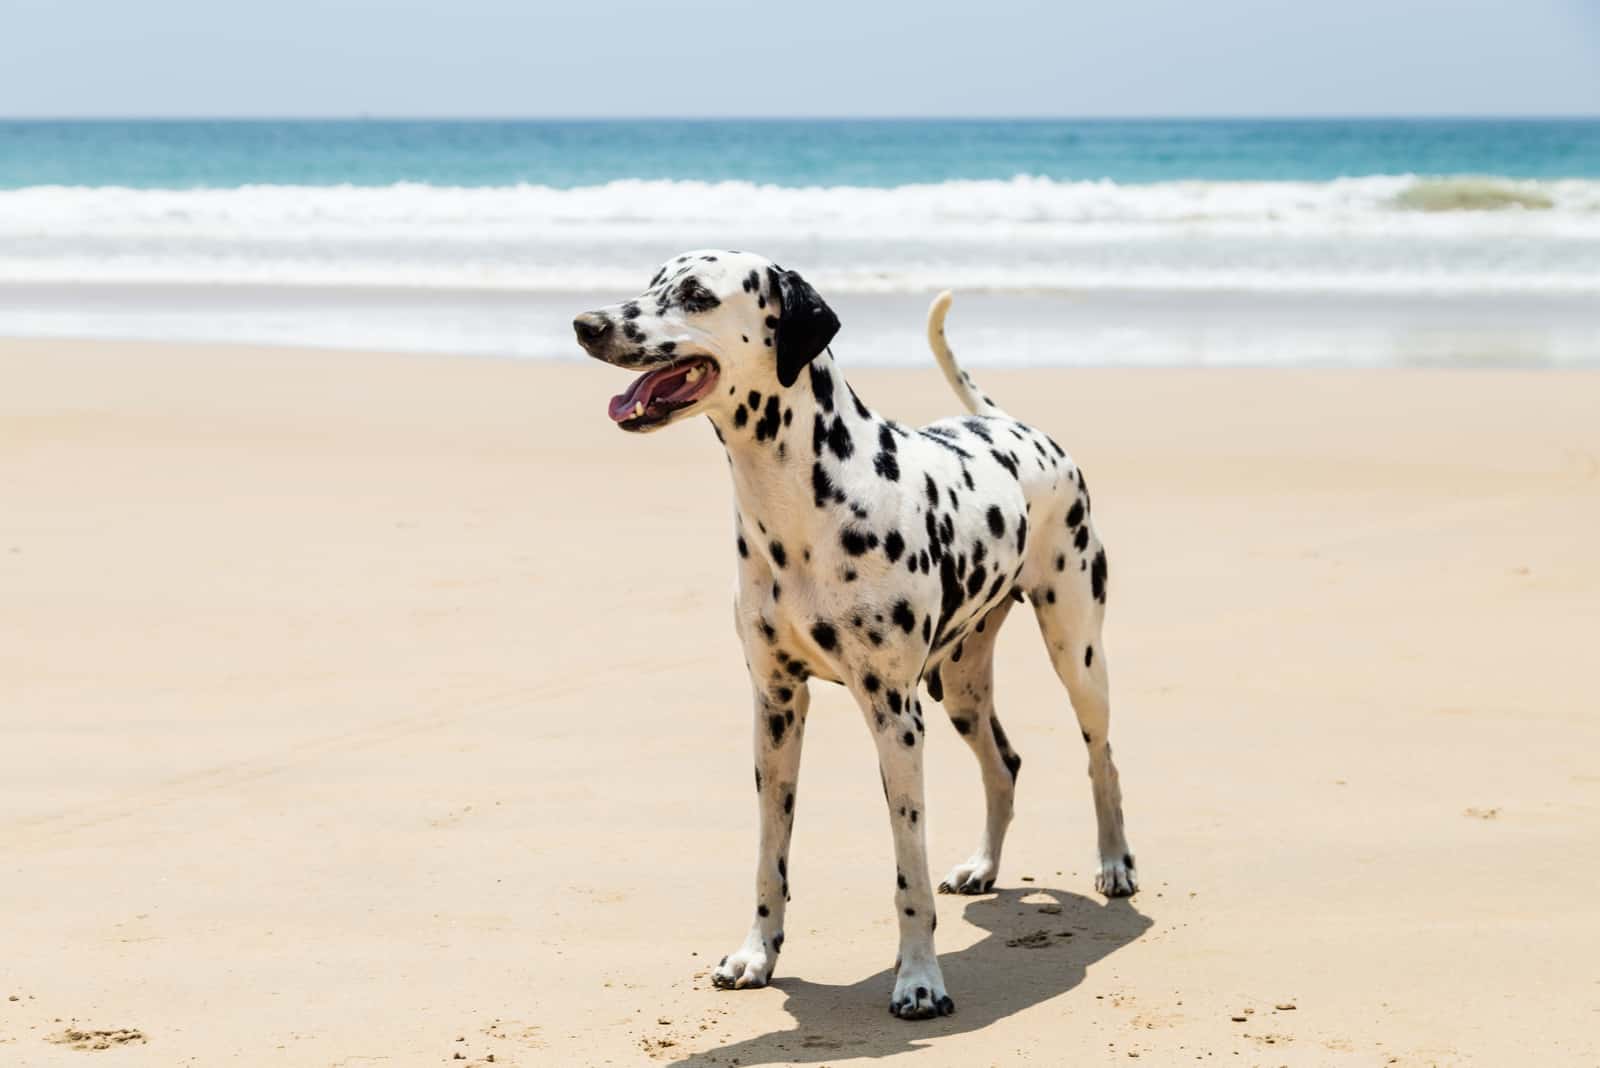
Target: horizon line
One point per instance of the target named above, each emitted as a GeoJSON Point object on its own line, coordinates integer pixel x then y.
{"type": "Point", "coordinates": [464, 117]}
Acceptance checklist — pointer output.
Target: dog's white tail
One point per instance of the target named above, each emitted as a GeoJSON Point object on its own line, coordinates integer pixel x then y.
{"type": "Point", "coordinates": [977, 403]}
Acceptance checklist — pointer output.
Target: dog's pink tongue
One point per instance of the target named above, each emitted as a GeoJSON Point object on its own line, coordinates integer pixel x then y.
{"type": "Point", "coordinates": [621, 406]}
{"type": "Point", "coordinates": [624, 404]}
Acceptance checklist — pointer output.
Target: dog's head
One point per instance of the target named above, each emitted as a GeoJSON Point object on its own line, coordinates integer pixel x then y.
{"type": "Point", "coordinates": [710, 327]}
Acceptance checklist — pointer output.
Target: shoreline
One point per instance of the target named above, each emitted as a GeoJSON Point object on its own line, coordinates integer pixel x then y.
{"type": "Point", "coordinates": [1082, 328]}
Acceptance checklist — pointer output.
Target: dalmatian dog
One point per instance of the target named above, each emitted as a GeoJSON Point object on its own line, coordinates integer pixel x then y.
{"type": "Point", "coordinates": [876, 555]}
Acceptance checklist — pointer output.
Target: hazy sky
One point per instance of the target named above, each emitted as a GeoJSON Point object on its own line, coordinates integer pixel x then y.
{"type": "Point", "coordinates": [794, 58]}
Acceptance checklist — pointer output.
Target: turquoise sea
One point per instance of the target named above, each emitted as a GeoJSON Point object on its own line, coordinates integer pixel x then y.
{"type": "Point", "coordinates": [222, 154]}
{"type": "Point", "coordinates": [349, 232]}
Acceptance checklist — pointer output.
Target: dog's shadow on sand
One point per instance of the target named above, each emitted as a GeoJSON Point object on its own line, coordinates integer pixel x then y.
{"type": "Point", "coordinates": [1029, 956]}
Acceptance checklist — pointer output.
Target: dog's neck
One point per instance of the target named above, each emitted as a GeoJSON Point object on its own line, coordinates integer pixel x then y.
{"type": "Point", "coordinates": [772, 473]}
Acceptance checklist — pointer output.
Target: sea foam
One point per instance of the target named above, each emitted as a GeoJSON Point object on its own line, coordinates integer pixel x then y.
{"type": "Point", "coordinates": [1398, 232]}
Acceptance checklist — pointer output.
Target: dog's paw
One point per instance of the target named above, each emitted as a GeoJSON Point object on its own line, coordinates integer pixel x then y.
{"type": "Point", "coordinates": [748, 968]}
{"type": "Point", "coordinates": [919, 993]}
{"type": "Point", "coordinates": [974, 877]}
{"type": "Point", "coordinates": [1117, 877]}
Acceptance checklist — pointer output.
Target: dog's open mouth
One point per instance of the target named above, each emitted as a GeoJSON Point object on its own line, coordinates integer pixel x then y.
{"type": "Point", "coordinates": [653, 398]}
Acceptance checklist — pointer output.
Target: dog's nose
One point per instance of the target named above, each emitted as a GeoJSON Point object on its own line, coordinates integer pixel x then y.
{"type": "Point", "coordinates": [591, 327]}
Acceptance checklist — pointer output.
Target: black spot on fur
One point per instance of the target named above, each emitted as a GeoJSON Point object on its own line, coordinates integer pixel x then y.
{"type": "Point", "coordinates": [931, 433]}
{"type": "Point", "coordinates": [871, 683]}
{"type": "Point", "coordinates": [744, 550]}
{"type": "Point", "coordinates": [1004, 461]}
{"type": "Point", "coordinates": [822, 386]}
{"type": "Point", "coordinates": [1097, 576]}
{"type": "Point", "coordinates": [997, 522]}
{"type": "Point", "coordinates": [839, 442]}
{"type": "Point", "coordinates": [768, 426]}
{"type": "Point", "coordinates": [903, 616]}
{"type": "Point", "coordinates": [976, 579]}
{"type": "Point", "coordinates": [893, 545]}
{"type": "Point", "coordinates": [821, 485]}
{"type": "Point", "coordinates": [775, 725]}
{"type": "Point", "coordinates": [887, 466]}
{"type": "Point", "coordinates": [935, 685]}
{"type": "Point", "coordinates": [779, 557]}
{"type": "Point", "coordinates": [1075, 513]}
{"type": "Point", "coordinates": [932, 490]}
{"type": "Point", "coordinates": [857, 542]}
{"type": "Point", "coordinates": [1088, 656]}
{"type": "Point", "coordinates": [741, 417]}
{"type": "Point", "coordinates": [761, 910]}
{"type": "Point", "coordinates": [823, 634]}
{"type": "Point", "coordinates": [950, 591]}
{"type": "Point", "coordinates": [1080, 540]}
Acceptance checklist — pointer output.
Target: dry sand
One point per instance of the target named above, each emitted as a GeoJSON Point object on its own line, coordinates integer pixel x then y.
{"type": "Point", "coordinates": [371, 710]}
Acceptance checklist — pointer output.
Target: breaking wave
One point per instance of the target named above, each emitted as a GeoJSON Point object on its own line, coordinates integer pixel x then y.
{"type": "Point", "coordinates": [1388, 232]}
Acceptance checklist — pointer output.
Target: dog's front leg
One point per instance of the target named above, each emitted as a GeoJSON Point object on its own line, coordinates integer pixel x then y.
{"type": "Point", "coordinates": [780, 720]}
{"type": "Point", "coordinates": [895, 717]}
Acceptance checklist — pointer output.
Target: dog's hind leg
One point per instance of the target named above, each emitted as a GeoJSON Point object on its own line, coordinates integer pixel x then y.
{"type": "Point", "coordinates": [1070, 601]}
{"type": "Point", "coordinates": [965, 685]}
{"type": "Point", "coordinates": [780, 719]}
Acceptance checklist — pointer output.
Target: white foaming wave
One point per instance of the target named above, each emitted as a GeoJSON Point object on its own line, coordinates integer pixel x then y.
{"type": "Point", "coordinates": [1023, 200]}
{"type": "Point", "coordinates": [1381, 232]}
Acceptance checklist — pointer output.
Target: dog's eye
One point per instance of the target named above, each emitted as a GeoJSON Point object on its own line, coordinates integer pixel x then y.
{"type": "Point", "coordinates": [695, 297]}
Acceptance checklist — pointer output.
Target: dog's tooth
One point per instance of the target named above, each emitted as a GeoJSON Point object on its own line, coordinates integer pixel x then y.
{"type": "Point", "coordinates": [638, 408]}
{"type": "Point", "coordinates": [694, 373]}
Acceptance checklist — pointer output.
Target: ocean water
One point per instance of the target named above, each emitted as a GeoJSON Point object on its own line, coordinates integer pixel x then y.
{"type": "Point", "coordinates": [1419, 210]}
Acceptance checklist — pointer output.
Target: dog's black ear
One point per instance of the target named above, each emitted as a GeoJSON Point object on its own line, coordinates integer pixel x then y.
{"type": "Point", "coordinates": [805, 323]}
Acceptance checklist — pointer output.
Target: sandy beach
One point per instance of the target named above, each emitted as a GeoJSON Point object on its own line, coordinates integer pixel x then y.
{"type": "Point", "coordinates": [375, 709]}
